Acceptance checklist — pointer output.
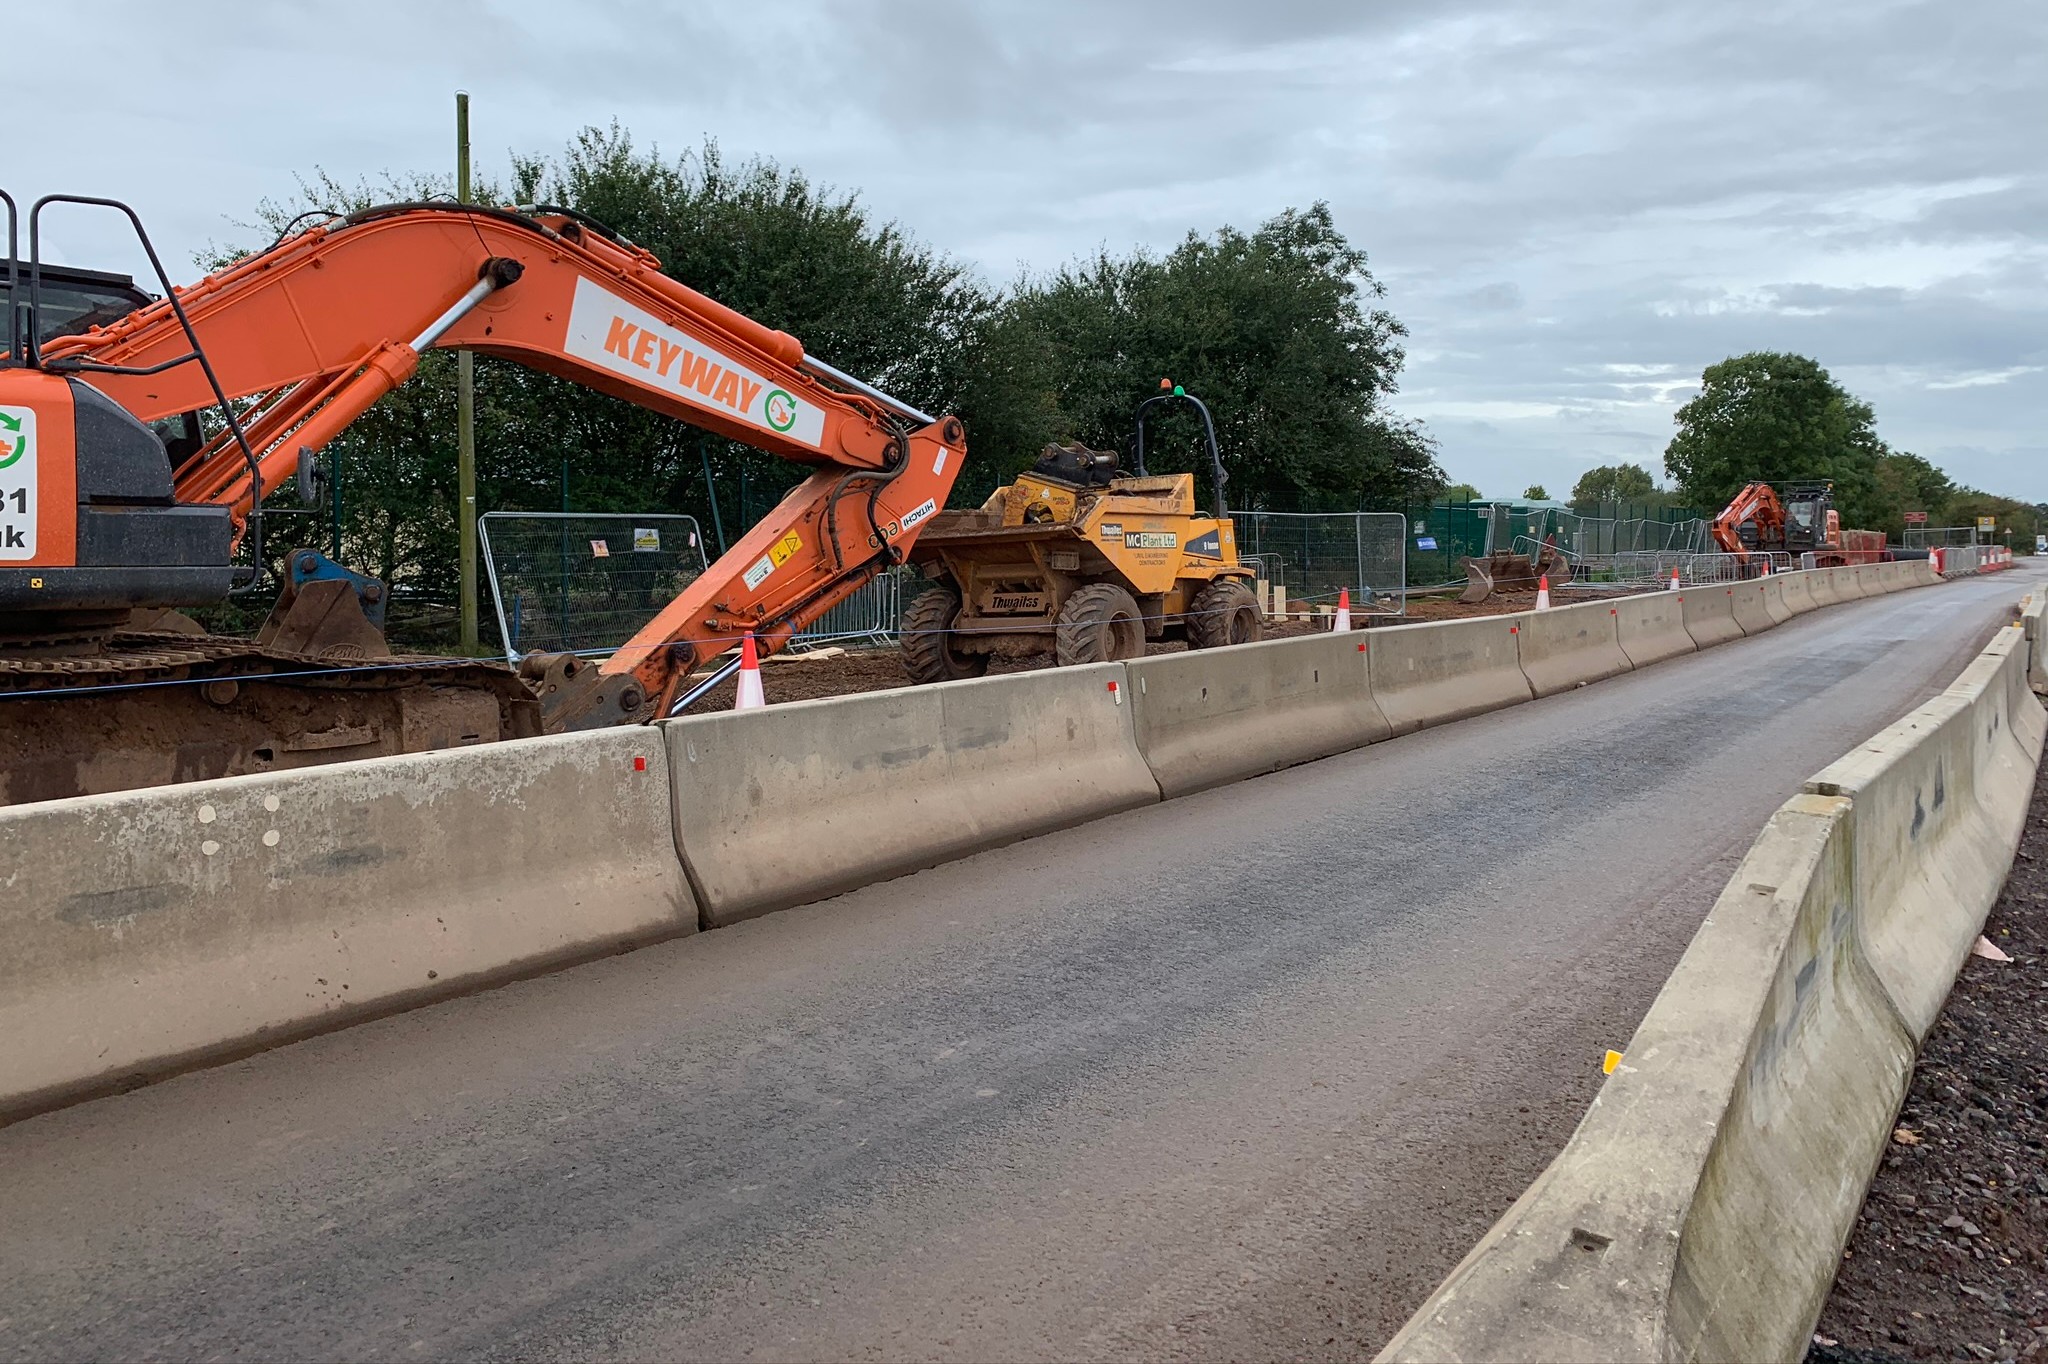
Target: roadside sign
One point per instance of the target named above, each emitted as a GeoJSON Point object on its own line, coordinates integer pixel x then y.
{"type": "Point", "coordinates": [1916, 518]}
{"type": "Point", "coordinates": [1987, 524]}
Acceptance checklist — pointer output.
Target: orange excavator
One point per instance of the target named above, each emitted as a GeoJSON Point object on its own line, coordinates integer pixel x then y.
{"type": "Point", "coordinates": [1801, 521]}
{"type": "Point", "coordinates": [136, 449]}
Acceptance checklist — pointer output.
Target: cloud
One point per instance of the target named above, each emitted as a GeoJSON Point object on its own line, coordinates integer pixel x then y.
{"type": "Point", "coordinates": [1575, 208]}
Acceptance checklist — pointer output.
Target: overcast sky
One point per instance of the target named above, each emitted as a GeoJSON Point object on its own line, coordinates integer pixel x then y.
{"type": "Point", "coordinates": [1574, 207]}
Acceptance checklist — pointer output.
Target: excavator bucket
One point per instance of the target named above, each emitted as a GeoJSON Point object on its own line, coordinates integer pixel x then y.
{"type": "Point", "coordinates": [1478, 582]}
{"type": "Point", "coordinates": [325, 611]}
{"type": "Point", "coordinates": [322, 620]}
{"type": "Point", "coordinates": [1498, 572]}
{"type": "Point", "coordinates": [1505, 572]}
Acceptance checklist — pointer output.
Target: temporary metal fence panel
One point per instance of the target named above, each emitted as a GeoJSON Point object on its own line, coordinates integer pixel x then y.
{"type": "Point", "coordinates": [584, 582]}
{"type": "Point", "coordinates": [1656, 567]}
{"type": "Point", "coordinates": [1939, 537]}
{"type": "Point", "coordinates": [1592, 540]}
{"type": "Point", "coordinates": [1440, 536]}
{"type": "Point", "coordinates": [1321, 554]}
{"type": "Point", "coordinates": [873, 614]}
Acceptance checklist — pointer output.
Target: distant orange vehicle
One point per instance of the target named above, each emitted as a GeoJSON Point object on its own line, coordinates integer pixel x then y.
{"type": "Point", "coordinates": [1804, 521]}
{"type": "Point", "coordinates": [253, 369]}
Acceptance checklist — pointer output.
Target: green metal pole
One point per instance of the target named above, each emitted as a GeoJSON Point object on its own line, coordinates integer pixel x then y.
{"type": "Point", "coordinates": [562, 570]}
{"type": "Point", "coordinates": [711, 491]}
{"type": "Point", "coordinates": [465, 416]}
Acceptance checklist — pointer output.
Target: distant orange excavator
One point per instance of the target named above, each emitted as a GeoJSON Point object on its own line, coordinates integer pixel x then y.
{"type": "Point", "coordinates": [1802, 521]}
{"type": "Point", "coordinates": [139, 438]}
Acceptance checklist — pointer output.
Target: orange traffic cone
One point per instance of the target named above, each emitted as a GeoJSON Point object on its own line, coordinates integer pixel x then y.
{"type": "Point", "coordinates": [1767, 568]}
{"type": "Point", "coordinates": [750, 697]}
{"type": "Point", "coordinates": [1343, 610]}
{"type": "Point", "coordinates": [1543, 593]}
{"type": "Point", "coordinates": [1674, 577]}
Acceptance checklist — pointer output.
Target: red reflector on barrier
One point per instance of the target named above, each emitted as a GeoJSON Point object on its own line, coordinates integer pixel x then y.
{"type": "Point", "coordinates": [639, 764]}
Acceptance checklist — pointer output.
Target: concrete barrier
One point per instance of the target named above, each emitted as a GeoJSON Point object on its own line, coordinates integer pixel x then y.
{"type": "Point", "coordinates": [1757, 1093]}
{"type": "Point", "coordinates": [1569, 646]}
{"type": "Point", "coordinates": [1430, 674]}
{"type": "Point", "coordinates": [2034, 622]}
{"type": "Point", "coordinates": [145, 931]}
{"type": "Point", "coordinates": [1892, 577]}
{"type": "Point", "coordinates": [1848, 586]}
{"type": "Point", "coordinates": [1210, 716]}
{"type": "Point", "coordinates": [1650, 628]}
{"type": "Point", "coordinates": [1710, 614]}
{"type": "Point", "coordinates": [1820, 585]}
{"type": "Point", "coordinates": [794, 803]}
{"type": "Point", "coordinates": [1746, 602]}
{"type": "Point", "coordinates": [1798, 591]}
{"type": "Point", "coordinates": [1774, 598]}
{"type": "Point", "coordinates": [1940, 799]}
{"type": "Point", "coordinates": [2010, 736]}
{"type": "Point", "coordinates": [1700, 1210]}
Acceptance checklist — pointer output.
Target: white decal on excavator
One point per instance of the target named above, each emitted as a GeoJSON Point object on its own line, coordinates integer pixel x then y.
{"type": "Point", "coordinates": [629, 341]}
{"type": "Point", "coordinates": [17, 483]}
{"type": "Point", "coordinates": [919, 512]}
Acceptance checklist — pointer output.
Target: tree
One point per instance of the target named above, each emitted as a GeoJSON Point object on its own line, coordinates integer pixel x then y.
{"type": "Point", "coordinates": [1906, 482]}
{"type": "Point", "coordinates": [1777, 418]}
{"type": "Point", "coordinates": [1536, 492]}
{"type": "Point", "coordinates": [1614, 483]}
{"type": "Point", "coordinates": [1461, 492]}
{"type": "Point", "coordinates": [1279, 331]}
{"type": "Point", "coordinates": [2023, 519]}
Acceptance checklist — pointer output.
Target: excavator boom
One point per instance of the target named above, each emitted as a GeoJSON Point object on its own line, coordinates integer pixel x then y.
{"type": "Point", "coordinates": [305, 336]}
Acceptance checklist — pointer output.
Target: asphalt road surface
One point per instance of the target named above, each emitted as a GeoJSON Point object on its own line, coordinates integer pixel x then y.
{"type": "Point", "coordinates": [1241, 1075]}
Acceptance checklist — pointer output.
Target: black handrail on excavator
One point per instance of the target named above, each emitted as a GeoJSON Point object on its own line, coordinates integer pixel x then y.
{"type": "Point", "coordinates": [31, 350]}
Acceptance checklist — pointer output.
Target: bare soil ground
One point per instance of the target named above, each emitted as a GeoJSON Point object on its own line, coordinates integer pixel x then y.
{"type": "Point", "coordinates": [1947, 1259]}
{"type": "Point", "coordinates": [796, 677]}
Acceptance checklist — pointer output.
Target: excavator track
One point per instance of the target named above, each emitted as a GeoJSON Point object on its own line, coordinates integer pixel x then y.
{"type": "Point", "coordinates": [148, 709]}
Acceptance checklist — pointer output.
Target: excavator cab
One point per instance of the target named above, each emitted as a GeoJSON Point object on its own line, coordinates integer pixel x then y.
{"type": "Point", "coordinates": [74, 301]}
{"type": "Point", "coordinates": [1808, 508]}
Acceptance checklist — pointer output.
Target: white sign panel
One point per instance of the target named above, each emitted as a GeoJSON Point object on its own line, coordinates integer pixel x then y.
{"type": "Point", "coordinates": [611, 333]}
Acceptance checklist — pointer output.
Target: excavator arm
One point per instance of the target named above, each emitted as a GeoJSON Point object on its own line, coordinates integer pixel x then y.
{"type": "Point", "coordinates": [304, 337]}
{"type": "Point", "coordinates": [1758, 502]}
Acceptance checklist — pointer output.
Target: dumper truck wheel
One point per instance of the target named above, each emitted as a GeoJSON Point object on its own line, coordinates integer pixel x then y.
{"type": "Point", "coordinates": [1099, 624]}
{"type": "Point", "coordinates": [1224, 612]}
{"type": "Point", "coordinates": [929, 644]}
